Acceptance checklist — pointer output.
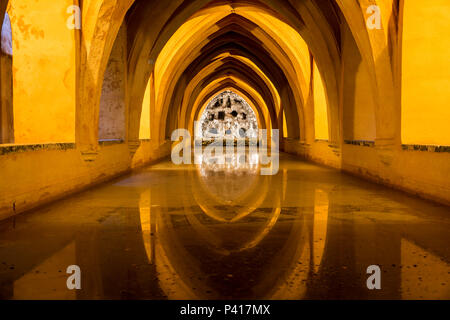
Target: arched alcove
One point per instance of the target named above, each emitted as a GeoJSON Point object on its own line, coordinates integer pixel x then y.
{"type": "Point", "coordinates": [112, 124]}
{"type": "Point", "coordinates": [359, 104]}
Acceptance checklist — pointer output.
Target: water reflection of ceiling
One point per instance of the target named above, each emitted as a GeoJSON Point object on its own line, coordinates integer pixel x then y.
{"type": "Point", "coordinates": [220, 234]}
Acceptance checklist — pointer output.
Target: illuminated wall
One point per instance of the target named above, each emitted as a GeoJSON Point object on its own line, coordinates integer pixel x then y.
{"type": "Point", "coordinates": [320, 107]}
{"type": "Point", "coordinates": [425, 72]}
{"type": "Point", "coordinates": [43, 71]}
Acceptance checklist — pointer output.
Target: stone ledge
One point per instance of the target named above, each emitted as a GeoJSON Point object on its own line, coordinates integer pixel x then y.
{"type": "Point", "coordinates": [19, 148]}
{"type": "Point", "coordinates": [295, 140]}
{"type": "Point", "coordinates": [423, 147]}
{"type": "Point", "coordinates": [109, 142]}
{"type": "Point", "coordinates": [361, 143]}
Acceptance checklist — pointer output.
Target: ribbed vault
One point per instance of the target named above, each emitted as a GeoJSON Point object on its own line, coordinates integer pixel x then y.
{"type": "Point", "coordinates": [265, 48]}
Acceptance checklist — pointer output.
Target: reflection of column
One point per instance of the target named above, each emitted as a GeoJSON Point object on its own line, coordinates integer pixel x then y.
{"type": "Point", "coordinates": [146, 225]}
{"type": "Point", "coordinates": [177, 273]}
{"type": "Point", "coordinates": [320, 227]}
{"type": "Point", "coordinates": [113, 258]}
{"type": "Point", "coordinates": [340, 274]}
{"type": "Point", "coordinates": [291, 266]}
{"type": "Point", "coordinates": [285, 178]}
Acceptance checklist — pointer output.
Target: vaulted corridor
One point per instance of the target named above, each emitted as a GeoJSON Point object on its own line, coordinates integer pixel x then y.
{"type": "Point", "coordinates": [113, 115]}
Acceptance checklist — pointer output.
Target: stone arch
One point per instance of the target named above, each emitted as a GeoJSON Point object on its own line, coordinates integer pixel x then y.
{"type": "Point", "coordinates": [255, 101]}
{"type": "Point", "coordinates": [306, 18]}
{"type": "Point", "coordinates": [101, 21]}
{"type": "Point", "coordinates": [299, 26]}
{"type": "Point", "coordinates": [227, 71]}
{"type": "Point", "coordinates": [222, 29]}
{"type": "Point", "coordinates": [374, 48]}
{"type": "Point", "coordinates": [113, 102]}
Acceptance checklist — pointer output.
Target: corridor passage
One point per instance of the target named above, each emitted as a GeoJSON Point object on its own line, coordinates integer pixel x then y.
{"type": "Point", "coordinates": [226, 232]}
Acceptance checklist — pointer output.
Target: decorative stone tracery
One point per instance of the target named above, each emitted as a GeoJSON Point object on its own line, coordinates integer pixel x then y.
{"type": "Point", "coordinates": [228, 115]}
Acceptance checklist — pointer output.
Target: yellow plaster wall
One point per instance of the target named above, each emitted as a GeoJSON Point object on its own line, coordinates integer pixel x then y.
{"type": "Point", "coordinates": [426, 72]}
{"type": "Point", "coordinates": [43, 71]}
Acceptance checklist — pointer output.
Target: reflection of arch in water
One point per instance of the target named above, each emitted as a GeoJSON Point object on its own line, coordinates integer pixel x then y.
{"type": "Point", "coordinates": [307, 258]}
{"type": "Point", "coordinates": [290, 268]}
{"type": "Point", "coordinates": [214, 241]}
{"type": "Point", "coordinates": [284, 277]}
{"type": "Point", "coordinates": [180, 273]}
{"type": "Point", "coordinates": [244, 204]}
{"type": "Point", "coordinates": [320, 228]}
{"type": "Point", "coordinates": [251, 199]}
{"type": "Point", "coordinates": [146, 225]}
{"type": "Point", "coordinates": [187, 272]}
{"type": "Point", "coordinates": [173, 283]}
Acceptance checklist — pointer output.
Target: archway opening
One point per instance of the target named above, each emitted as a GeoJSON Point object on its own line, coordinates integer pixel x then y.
{"type": "Point", "coordinates": [228, 116]}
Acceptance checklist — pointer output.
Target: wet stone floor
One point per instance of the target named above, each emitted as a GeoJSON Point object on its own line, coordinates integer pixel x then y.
{"type": "Point", "coordinates": [226, 232]}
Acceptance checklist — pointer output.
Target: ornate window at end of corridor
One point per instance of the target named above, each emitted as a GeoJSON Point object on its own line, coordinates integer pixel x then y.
{"type": "Point", "coordinates": [228, 116]}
